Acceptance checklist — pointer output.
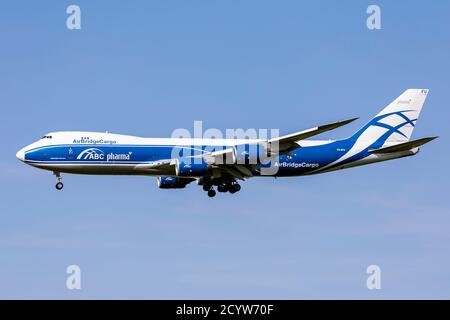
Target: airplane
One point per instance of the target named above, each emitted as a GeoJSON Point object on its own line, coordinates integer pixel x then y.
{"type": "Point", "coordinates": [221, 163]}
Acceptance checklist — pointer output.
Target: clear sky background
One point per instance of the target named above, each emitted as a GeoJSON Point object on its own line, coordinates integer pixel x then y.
{"type": "Point", "coordinates": [149, 67]}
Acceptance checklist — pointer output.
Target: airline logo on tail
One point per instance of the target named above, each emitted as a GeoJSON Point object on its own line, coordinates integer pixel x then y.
{"type": "Point", "coordinates": [393, 125]}
{"type": "Point", "coordinates": [394, 122]}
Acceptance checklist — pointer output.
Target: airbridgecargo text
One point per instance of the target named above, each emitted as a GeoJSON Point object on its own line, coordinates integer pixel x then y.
{"type": "Point", "coordinates": [93, 141]}
{"type": "Point", "coordinates": [296, 165]}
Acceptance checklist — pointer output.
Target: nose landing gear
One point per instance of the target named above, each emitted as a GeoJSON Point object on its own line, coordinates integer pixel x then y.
{"type": "Point", "coordinates": [59, 185]}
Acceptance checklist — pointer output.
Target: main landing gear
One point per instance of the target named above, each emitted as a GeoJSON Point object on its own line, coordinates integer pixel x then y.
{"type": "Point", "coordinates": [230, 186]}
{"type": "Point", "coordinates": [211, 193]}
{"type": "Point", "coordinates": [59, 185]}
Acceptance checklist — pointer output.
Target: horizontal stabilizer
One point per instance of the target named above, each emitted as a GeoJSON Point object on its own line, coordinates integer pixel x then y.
{"type": "Point", "coordinates": [403, 146]}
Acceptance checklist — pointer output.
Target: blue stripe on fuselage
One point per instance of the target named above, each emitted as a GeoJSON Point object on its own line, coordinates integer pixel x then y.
{"type": "Point", "coordinates": [311, 158]}
{"type": "Point", "coordinates": [299, 161]}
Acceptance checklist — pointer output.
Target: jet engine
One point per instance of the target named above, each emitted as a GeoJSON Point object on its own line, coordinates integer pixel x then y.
{"type": "Point", "coordinates": [247, 154]}
{"type": "Point", "coordinates": [173, 182]}
{"type": "Point", "coordinates": [191, 167]}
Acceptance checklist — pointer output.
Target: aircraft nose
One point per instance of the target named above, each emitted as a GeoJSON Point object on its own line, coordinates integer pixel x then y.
{"type": "Point", "coordinates": [20, 155]}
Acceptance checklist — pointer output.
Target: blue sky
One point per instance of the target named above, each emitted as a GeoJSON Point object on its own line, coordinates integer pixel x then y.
{"type": "Point", "coordinates": [149, 67]}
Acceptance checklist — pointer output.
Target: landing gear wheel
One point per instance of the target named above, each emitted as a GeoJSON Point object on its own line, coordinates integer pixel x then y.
{"type": "Point", "coordinates": [59, 185]}
{"type": "Point", "coordinates": [206, 186]}
{"type": "Point", "coordinates": [235, 188]}
{"type": "Point", "coordinates": [223, 188]}
{"type": "Point", "coordinates": [211, 193]}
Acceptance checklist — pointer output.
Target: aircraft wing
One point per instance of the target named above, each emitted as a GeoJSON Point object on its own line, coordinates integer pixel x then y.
{"type": "Point", "coordinates": [220, 159]}
{"type": "Point", "coordinates": [288, 142]}
{"type": "Point", "coordinates": [285, 143]}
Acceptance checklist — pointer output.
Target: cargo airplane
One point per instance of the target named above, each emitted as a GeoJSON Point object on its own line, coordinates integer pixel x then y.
{"type": "Point", "coordinates": [221, 163]}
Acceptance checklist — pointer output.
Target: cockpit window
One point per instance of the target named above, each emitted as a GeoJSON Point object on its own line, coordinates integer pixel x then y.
{"type": "Point", "coordinates": [46, 137]}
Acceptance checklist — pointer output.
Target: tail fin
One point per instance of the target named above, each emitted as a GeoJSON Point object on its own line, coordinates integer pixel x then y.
{"type": "Point", "coordinates": [396, 122]}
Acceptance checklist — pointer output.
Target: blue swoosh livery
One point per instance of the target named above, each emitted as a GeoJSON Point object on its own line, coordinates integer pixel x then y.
{"type": "Point", "coordinates": [221, 163]}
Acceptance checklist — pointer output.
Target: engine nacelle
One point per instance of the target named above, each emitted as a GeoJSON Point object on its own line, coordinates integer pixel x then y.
{"type": "Point", "coordinates": [247, 154]}
{"type": "Point", "coordinates": [172, 182]}
{"type": "Point", "coordinates": [191, 167]}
